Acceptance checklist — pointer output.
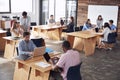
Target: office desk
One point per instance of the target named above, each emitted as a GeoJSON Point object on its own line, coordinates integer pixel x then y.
{"type": "Point", "coordinates": [47, 31]}
{"type": "Point", "coordinates": [10, 47]}
{"type": "Point", "coordinates": [23, 68]}
{"type": "Point", "coordinates": [83, 40]}
{"type": "Point", "coordinates": [40, 73]}
{"type": "Point", "coordinates": [2, 41]}
{"type": "Point", "coordinates": [27, 70]}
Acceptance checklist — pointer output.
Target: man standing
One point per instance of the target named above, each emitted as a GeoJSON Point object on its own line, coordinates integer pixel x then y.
{"type": "Point", "coordinates": [25, 22]}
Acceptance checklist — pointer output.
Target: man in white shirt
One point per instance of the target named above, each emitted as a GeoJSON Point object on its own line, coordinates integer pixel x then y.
{"type": "Point", "coordinates": [25, 22]}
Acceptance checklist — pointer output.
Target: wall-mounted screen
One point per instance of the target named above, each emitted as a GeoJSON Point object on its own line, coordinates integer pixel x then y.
{"type": "Point", "coordinates": [107, 12]}
{"type": "Point", "coordinates": [5, 6]}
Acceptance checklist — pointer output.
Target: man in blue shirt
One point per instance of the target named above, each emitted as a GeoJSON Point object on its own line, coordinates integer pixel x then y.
{"type": "Point", "coordinates": [26, 46]}
{"type": "Point", "coordinates": [112, 26]}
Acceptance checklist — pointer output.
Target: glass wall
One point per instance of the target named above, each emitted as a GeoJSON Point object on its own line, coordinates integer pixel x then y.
{"type": "Point", "coordinates": [44, 15]}
{"type": "Point", "coordinates": [71, 9]}
{"type": "Point", "coordinates": [60, 9]}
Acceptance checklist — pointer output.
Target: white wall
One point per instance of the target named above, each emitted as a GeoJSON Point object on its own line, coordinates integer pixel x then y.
{"type": "Point", "coordinates": [34, 14]}
{"type": "Point", "coordinates": [107, 12]}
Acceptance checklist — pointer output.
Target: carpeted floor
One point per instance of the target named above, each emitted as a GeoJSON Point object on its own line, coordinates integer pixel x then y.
{"type": "Point", "coordinates": [103, 65]}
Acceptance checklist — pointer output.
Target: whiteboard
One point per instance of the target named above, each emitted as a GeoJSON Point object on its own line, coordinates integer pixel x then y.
{"type": "Point", "coordinates": [107, 12]}
{"type": "Point", "coordinates": [4, 6]}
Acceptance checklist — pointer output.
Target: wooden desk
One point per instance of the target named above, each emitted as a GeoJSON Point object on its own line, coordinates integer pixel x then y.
{"type": "Point", "coordinates": [10, 47]}
{"type": "Point", "coordinates": [51, 32]}
{"type": "Point", "coordinates": [83, 40]}
{"type": "Point", "coordinates": [2, 41]}
{"type": "Point", "coordinates": [27, 70]}
{"type": "Point", "coordinates": [40, 73]}
{"type": "Point", "coordinates": [23, 69]}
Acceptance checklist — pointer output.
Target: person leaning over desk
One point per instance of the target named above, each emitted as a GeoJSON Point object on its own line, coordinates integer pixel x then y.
{"type": "Point", "coordinates": [26, 46]}
{"type": "Point", "coordinates": [25, 22]}
{"type": "Point", "coordinates": [69, 58]}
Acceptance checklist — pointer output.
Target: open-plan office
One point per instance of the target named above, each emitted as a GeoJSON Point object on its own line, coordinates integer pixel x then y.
{"type": "Point", "coordinates": [81, 39]}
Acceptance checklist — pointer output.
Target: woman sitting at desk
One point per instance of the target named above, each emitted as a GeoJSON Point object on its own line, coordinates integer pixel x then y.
{"type": "Point", "coordinates": [87, 25]}
{"type": "Point", "coordinates": [15, 29]}
{"type": "Point", "coordinates": [70, 26]}
{"type": "Point", "coordinates": [105, 33]}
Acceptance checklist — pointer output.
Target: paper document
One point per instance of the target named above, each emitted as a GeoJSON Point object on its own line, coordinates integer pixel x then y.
{"type": "Point", "coordinates": [43, 64]}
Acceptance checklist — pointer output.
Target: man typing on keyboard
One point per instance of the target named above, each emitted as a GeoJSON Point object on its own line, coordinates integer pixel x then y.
{"type": "Point", "coordinates": [26, 46]}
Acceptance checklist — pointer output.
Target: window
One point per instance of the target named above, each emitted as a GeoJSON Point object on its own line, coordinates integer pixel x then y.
{"type": "Point", "coordinates": [21, 5]}
{"type": "Point", "coordinates": [59, 8]}
{"type": "Point", "coordinates": [5, 6]}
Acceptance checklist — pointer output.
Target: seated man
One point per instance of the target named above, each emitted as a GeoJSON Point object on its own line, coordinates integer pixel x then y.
{"type": "Point", "coordinates": [51, 20]}
{"type": "Point", "coordinates": [70, 58]}
{"type": "Point", "coordinates": [26, 46]}
{"type": "Point", "coordinates": [112, 26]}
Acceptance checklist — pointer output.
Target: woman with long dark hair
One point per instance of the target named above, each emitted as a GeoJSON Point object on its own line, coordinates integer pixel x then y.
{"type": "Point", "coordinates": [105, 33]}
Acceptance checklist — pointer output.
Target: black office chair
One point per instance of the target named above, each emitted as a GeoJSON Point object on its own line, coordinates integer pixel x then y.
{"type": "Point", "coordinates": [112, 37]}
{"type": "Point", "coordinates": [8, 33]}
{"type": "Point", "coordinates": [111, 41]}
{"type": "Point", "coordinates": [81, 27]}
{"type": "Point", "coordinates": [32, 24]}
{"type": "Point", "coordinates": [77, 29]}
{"type": "Point", "coordinates": [39, 42]}
{"type": "Point", "coordinates": [17, 51]}
{"type": "Point", "coordinates": [74, 73]}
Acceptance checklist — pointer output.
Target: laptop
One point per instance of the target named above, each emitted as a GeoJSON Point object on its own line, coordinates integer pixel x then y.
{"type": "Point", "coordinates": [39, 51]}
{"type": "Point", "coordinates": [23, 57]}
{"type": "Point", "coordinates": [48, 58]}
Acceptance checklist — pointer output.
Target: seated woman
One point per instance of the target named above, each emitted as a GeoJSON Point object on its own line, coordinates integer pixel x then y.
{"type": "Point", "coordinates": [87, 25]}
{"type": "Point", "coordinates": [70, 26]}
{"type": "Point", "coordinates": [105, 33]}
{"type": "Point", "coordinates": [15, 29]}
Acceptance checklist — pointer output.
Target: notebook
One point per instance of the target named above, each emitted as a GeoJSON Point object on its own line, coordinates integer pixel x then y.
{"type": "Point", "coordinates": [39, 51]}
{"type": "Point", "coordinates": [48, 58]}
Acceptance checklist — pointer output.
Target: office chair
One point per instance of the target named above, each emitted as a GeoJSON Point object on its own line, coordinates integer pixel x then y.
{"type": "Point", "coordinates": [81, 27]}
{"type": "Point", "coordinates": [8, 33]}
{"type": "Point", "coordinates": [74, 73]}
{"type": "Point", "coordinates": [39, 42]}
{"type": "Point", "coordinates": [111, 40]}
{"type": "Point", "coordinates": [77, 29]}
{"type": "Point", "coordinates": [32, 24]}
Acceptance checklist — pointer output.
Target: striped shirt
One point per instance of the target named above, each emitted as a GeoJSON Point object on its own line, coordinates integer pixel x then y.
{"type": "Point", "coordinates": [70, 58]}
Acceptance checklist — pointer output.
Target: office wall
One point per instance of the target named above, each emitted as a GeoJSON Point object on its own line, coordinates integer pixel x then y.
{"type": "Point", "coordinates": [83, 9]}
{"type": "Point", "coordinates": [34, 14]}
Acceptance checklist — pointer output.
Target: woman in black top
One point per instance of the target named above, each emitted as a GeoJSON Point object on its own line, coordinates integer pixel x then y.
{"type": "Point", "coordinates": [70, 26]}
